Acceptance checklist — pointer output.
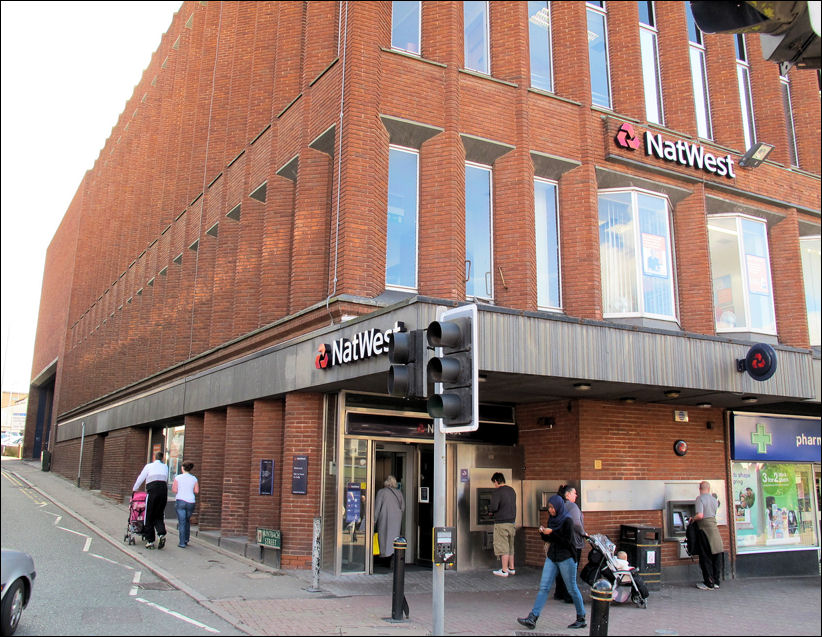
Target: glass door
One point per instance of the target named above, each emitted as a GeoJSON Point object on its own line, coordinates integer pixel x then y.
{"type": "Point", "coordinates": [355, 528]}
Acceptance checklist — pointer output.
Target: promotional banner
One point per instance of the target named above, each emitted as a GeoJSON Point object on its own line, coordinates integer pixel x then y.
{"type": "Point", "coordinates": [781, 504]}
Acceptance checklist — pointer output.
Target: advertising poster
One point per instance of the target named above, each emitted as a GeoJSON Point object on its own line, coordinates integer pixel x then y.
{"type": "Point", "coordinates": [745, 505]}
{"type": "Point", "coordinates": [266, 477]}
{"type": "Point", "coordinates": [654, 261]}
{"type": "Point", "coordinates": [781, 505]}
{"type": "Point", "coordinates": [352, 503]}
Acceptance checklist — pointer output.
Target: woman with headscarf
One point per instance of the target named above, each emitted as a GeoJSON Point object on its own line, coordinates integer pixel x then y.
{"type": "Point", "coordinates": [559, 558]}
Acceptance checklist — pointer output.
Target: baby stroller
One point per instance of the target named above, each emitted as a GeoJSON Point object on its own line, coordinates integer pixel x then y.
{"type": "Point", "coordinates": [136, 516]}
{"type": "Point", "coordinates": [625, 584]}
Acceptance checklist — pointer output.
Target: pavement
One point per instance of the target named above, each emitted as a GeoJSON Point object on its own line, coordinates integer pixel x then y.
{"type": "Point", "coordinates": [260, 600]}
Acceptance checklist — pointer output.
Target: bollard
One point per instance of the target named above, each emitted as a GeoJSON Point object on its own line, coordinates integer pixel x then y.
{"type": "Point", "coordinates": [315, 556]}
{"type": "Point", "coordinates": [601, 594]}
{"type": "Point", "coordinates": [398, 601]}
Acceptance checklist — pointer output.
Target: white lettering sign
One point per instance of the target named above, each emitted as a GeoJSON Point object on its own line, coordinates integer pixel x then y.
{"type": "Point", "coordinates": [688, 154]}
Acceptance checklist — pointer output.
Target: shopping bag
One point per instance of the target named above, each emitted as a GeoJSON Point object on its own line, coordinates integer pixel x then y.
{"type": "Point", "coordinates": [376, 544]}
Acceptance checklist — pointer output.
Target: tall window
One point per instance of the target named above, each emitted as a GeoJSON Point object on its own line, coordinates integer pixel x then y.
{"type": "Point", "coordinates": [811, 261]}
{"type": "Point", "coordinates": [650, 62]}
{"type": "Point", "coordinates": [741, 272]}
{"type": "Point", "coordinates": [401, 236]}
{"type": "Point", "coordinates": [635, 254]}
{"type": "Point", "coordinates": [743, 78]}
{"type": "Point", "coordinates": [479, 280]}
{"type": "Point", "coordinates": [598, 55]}
{"type": "Point", "coordinates": [475, 26]}
{"type": "Point", "coordinates": [547, 243]}
{"type": "Point", "coordinates": [539, 40]}
{"type": "Point", "coordinates": [788, 108]}
{"type": "Point", "coordinates": [699, 77]}
{"type": "Point", "coordinates": [405, 26]}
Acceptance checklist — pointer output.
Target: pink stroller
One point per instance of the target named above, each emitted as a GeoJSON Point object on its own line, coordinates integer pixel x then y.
{"type": "Point", "coordinates": [136, 516]}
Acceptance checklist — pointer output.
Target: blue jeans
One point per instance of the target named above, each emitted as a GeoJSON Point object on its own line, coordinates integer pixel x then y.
{"type": "Point", "coordinates": [568, 570]}
{"type": "Point", "coordinates": [184, 511]}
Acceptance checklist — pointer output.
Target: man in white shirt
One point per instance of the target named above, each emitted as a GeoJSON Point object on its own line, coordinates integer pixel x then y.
{"type": "Point", "coordinates": [155, 475]}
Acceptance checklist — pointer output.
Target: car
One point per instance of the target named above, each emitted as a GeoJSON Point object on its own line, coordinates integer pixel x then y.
{"type": "Point", "coordinates": [17, 580]}
{"type": "Point", "coordinates": [12, 440]}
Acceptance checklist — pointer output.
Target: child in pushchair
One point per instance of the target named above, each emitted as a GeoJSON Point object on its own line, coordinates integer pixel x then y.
{"type": "Point", "coordinates": [625, 581]}
{"type": "Point", "coordinates": [136, 516]}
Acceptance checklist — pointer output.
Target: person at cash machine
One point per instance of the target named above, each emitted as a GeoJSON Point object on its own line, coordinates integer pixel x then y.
{"type": "Point", "coordinates": [709, 542]}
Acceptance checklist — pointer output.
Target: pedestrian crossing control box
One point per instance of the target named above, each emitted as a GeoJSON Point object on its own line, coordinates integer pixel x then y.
{"type": "Point", "coordinates": [445, 545]}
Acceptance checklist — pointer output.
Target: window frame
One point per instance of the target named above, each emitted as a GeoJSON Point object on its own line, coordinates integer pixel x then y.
{"type": "Point", "coordinates": [699, 76]}
{"type": "Point", "coordinates": [638, 257]}
{"type": "Point", "coordinates": [394, 286]}
{"type": "Point", "coordinates": [814, 286]}
{"type": "Point", "coordinates": [550, 43]}
{"type": "Point", "coordinates": [600, 9]}
{"type": "Point", "coordinates": [787, 106]}
{"type": "Point", "coordinates": [652, 33]}
{"type": "Point", "coordinates": [744, 275]}
{"type": "Point", "coordinates": [419, 29]}
{"type": "Point", "coordinates": [558, 247]}
{"type": "Point", "coordinates": [743, 79]}
{"type": "Point", "coordinates": [486, 37]}
{"type": "Point", "coordinates": [490, 274]}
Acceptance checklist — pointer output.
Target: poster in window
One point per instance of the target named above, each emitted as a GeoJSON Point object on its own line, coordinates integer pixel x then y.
{"type": "Point", "coordinates": [654, 261]}
{"type": "Point", "coordinates": [757, 274]}
{"type": "Point", "coordinates": [266, 477]}
{"type": "Point", "coordinates": [352, 503]}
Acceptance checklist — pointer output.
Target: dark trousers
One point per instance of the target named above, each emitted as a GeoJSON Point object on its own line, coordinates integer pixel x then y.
{"type": "Point", "coordinates": [561, 591]}
{"type": "Point", "coordinates": [155, 509]}
{"type": "Point", "coordinates": [711, 564]}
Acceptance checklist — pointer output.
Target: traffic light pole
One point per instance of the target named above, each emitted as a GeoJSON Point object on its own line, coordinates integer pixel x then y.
{"type": "Point", "coordinates": [438, 588]}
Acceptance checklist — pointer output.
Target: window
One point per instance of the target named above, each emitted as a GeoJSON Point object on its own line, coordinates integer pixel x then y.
{"type": "Point", "coordinates": [699, 77]}
{"type": "Point", "coordinates": [788, 108]}
{"type": "Point", "coordinates": [401, 231]}
{"type": "Point", "coordinates": [478, 274]}
{"type": "Point", "coordinates": [475, 25]}
{"type": "Point", "coordinates": [743, 77]}
{"type": "Point", "coordinates": [598, 55]}
{"type": "Point", "coordinates": [650, 63]}
{"type": "Point", "coordinates": [547, 244]}
{"type": "Point", "coordinates": [539, 40]}
{"type": "Point", "coordinates": [811, 261]}
{"type": "Point", "coordinates": [740, 267]}
{"type": "Point", "coordinates": [635, 254]}
{"type": "Point", "coordinates": [405, 26]}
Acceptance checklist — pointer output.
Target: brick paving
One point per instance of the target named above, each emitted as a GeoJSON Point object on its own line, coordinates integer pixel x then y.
{"type": "Point", "coordinates": [262, 601]}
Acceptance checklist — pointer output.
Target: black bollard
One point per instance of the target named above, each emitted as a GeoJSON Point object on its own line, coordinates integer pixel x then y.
{"type": "Point", "coordinates": [601, 595]}
{"type": "Point", "coordinates": [398, 602]}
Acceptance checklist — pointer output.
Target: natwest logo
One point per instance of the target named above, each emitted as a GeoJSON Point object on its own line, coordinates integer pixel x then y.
{"type": "Point", "coordinates": [626, 137]}
{"type": "Point", "coordinates": [364, 345]}
{"type": "Point", "coordinates": [680, 151]}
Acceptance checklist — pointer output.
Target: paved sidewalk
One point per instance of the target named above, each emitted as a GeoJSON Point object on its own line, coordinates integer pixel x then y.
{"type": "Point", "coordinates": [260, 600]}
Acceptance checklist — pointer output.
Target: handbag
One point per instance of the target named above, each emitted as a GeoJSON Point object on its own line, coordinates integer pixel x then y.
{"type": "Point", "coordinates": [376, 544]}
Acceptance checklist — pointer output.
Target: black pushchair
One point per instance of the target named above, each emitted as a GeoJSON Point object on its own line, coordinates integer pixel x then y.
{"type": "Point", "coordinates": [625, 584]}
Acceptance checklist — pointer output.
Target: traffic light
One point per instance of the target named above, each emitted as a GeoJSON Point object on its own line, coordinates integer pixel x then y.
{"type": "Point", "coordinates": [406, 352]}
{"type": "Point", "coordinates": [454, 369]}
{"type": "Point", "coordinates": [789, 30]}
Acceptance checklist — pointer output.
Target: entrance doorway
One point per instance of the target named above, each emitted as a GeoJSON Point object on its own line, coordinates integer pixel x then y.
{"type": "Point", "coordinates": [412, 466]}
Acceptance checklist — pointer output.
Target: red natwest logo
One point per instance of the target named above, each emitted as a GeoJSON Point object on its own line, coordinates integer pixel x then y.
{"type": "Point", "coordinates": [626, 137]}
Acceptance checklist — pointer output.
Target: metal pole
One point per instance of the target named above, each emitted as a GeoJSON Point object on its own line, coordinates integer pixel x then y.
{"type": "Point", "coordinates": [438, 588]}
{"type": "Point", "coordinates": [82, 442]}
{"type": "Point", "coordinates": [601, 594]}
{"type": "Point", "coordinates": [315, 556]}
{"type": "Point", "coordinates": [398, 603]}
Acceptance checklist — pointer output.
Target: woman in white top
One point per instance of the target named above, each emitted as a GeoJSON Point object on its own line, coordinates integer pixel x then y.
{"type": "Point", "coordinates": [185, 486]}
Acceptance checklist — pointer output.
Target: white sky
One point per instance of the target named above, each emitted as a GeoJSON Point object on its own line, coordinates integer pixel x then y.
{"type": "Point", "coordinates": [68, 69]}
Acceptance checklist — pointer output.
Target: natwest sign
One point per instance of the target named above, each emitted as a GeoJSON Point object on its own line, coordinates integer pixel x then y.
{"type": "Point", "coordinates": [364, 345]}
{"type": "Point", "coordinates": [680, 152]}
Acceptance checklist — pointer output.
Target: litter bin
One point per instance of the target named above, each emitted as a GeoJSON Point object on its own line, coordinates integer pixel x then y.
{"type": "Point", "coordinates": [46, 460]}
{"type": "Point", "coordinates": [644, 549]}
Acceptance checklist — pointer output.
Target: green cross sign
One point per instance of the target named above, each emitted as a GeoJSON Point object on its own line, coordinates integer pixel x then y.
{"type": "Point", "coordinates": [761, 439]}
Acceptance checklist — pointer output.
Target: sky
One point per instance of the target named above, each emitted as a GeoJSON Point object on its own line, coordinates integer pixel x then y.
{"type": "Point", "coordinates": [68, 69]}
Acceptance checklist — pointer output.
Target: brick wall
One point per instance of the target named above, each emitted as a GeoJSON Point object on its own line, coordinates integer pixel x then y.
{"type": "Point", "coordinates": [215, 444]}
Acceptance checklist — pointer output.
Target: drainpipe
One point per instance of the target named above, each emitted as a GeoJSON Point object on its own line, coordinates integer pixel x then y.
{"type": "Point", "coordinates": [82, 443]}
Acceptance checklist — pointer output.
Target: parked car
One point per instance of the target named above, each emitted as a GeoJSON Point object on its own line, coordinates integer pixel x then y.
{"type": "Point", "coordinates": [18, 580]}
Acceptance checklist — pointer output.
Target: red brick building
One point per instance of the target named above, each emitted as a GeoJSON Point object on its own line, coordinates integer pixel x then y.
{"type": "Point", "coordinates": [293, 175]}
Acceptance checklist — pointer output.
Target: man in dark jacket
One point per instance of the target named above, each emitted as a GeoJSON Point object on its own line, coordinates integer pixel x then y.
{"type": "Point", "coordinates": [504, 508]}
